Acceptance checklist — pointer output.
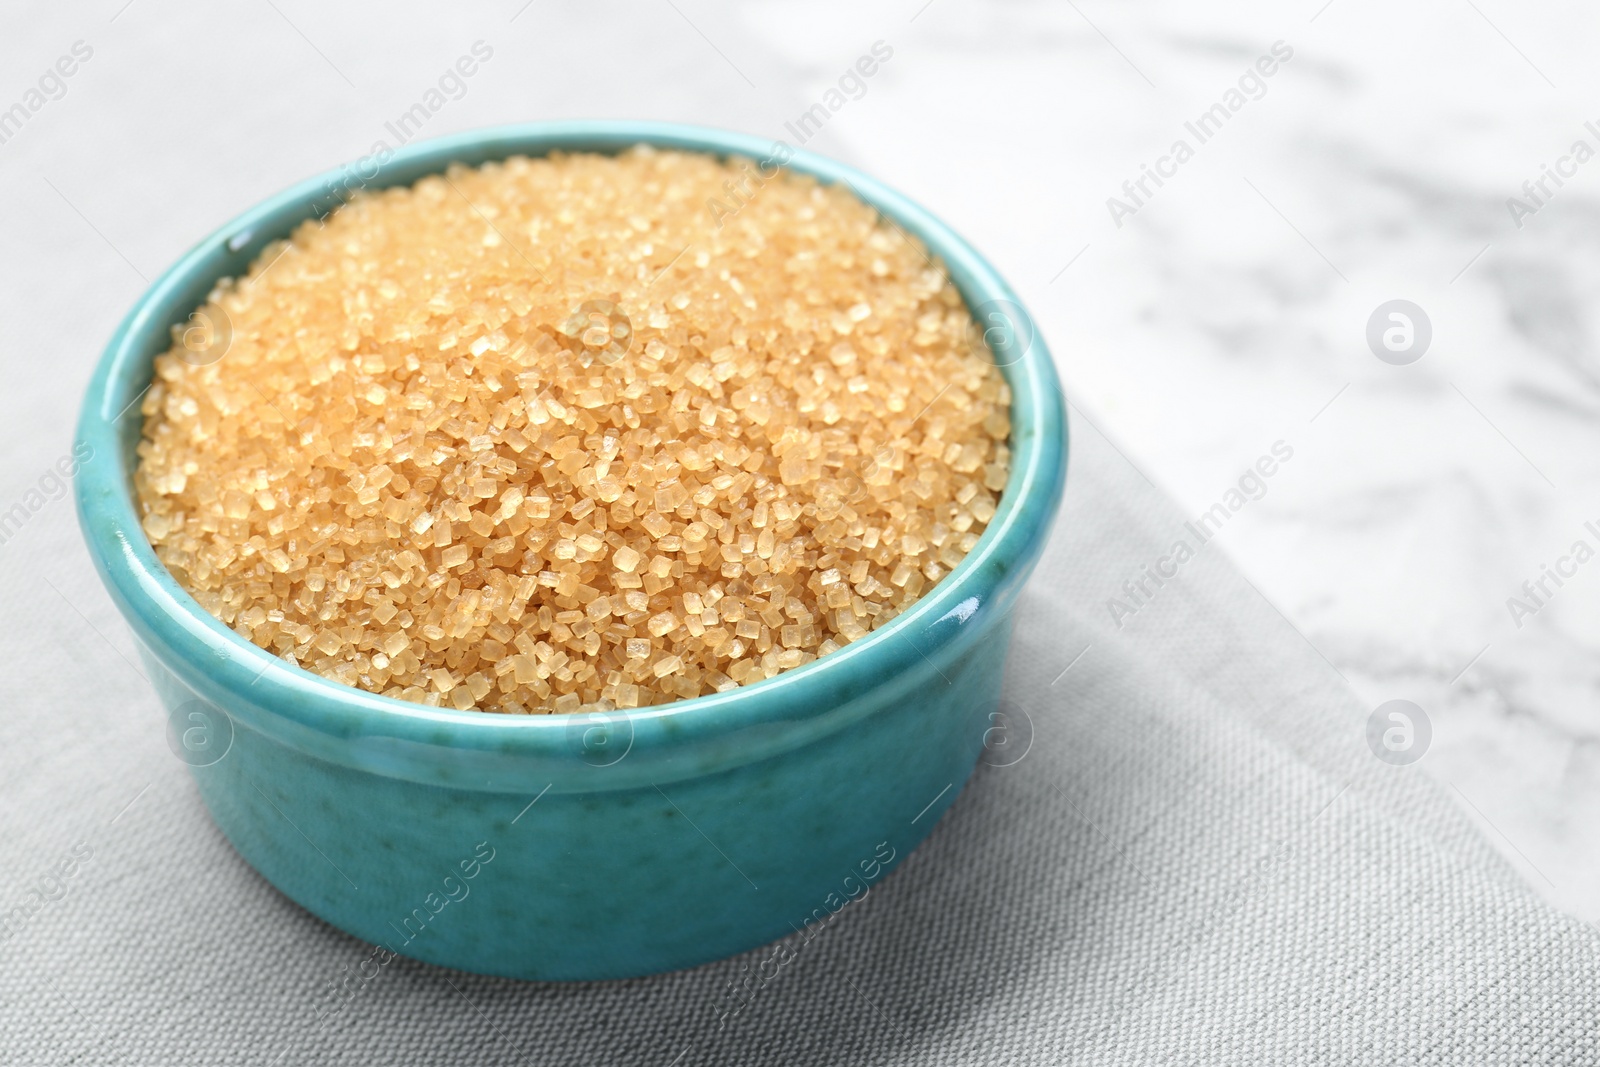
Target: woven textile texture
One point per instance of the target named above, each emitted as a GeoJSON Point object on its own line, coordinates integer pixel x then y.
{"type": "Point", "coordinates": [1182, 852]}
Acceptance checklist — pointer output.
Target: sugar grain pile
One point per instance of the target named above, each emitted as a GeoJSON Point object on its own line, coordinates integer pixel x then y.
{"type": "Point", "coordinates": [574, 432]}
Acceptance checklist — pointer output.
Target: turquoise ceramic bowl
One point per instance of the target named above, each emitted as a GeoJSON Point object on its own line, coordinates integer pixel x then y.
{"type": "Point", "coordinates": [576, 847]}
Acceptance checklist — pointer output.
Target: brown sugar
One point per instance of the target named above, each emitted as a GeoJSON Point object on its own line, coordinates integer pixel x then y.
{"type": "Point", "coordinates": [566, 433]}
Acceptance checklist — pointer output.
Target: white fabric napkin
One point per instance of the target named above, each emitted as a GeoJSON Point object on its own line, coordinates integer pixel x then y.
{"type": "Point", "coordinates": [1182, 851]}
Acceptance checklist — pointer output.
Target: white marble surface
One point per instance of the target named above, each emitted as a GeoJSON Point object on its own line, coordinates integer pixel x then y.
{"type": "Point", "coordinates": [1231, 309]}
{"type": "Point", "coordinates": [1227, 314]}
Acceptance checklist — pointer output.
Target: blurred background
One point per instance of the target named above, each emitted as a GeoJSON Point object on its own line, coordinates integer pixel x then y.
{"type": "Point", "coordinates": [1393, 152]}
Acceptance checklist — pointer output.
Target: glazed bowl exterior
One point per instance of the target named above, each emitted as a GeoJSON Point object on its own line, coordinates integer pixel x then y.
{"type": "Point", "coordinates": [586, 846]}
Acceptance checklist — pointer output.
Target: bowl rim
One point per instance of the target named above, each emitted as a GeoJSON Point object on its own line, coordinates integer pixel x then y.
{"type": "Point", "coordinates": [244, 679]}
